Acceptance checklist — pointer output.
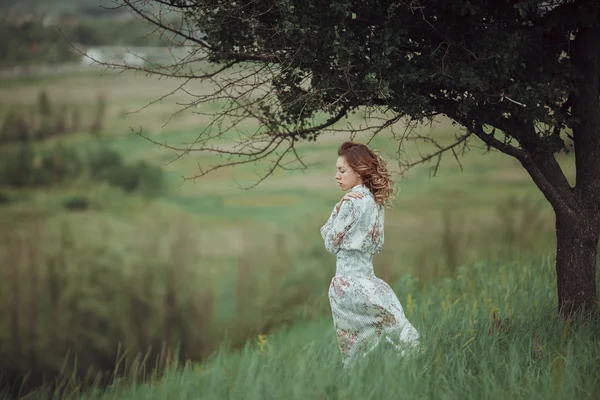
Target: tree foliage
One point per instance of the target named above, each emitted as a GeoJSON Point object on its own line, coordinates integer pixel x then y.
{"type": "Point", "coordinates": [502, 64]}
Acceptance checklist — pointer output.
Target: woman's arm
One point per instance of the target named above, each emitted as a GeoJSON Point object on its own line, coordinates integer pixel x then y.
{"type": "Point", "coordinates": [379, 231]}
{"type": "Point", "coordinates": [346, 218]}
{"type": "Point", "coordinates": [325, 228]}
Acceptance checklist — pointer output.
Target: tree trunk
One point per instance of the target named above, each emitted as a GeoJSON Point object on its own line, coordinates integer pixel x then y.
{"type": "Point", "coordinates": [578, 230]}
{"type": "Point", "coordinates": [576, 250]}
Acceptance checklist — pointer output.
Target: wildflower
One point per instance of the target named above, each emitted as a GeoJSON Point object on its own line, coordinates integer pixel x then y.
{"type": "Point", "coordinates": [410, 305]}
{"type": "Point", "coordinates": [491, 307]}
{"type": "Point", "coordinates": [261, 342]}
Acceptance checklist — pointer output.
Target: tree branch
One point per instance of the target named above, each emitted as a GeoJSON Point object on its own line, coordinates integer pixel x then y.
{"type": "Point", "coordinates": [460, 140]}
{"type": "Point", "coordinates": [537, 165]}
{"type": "Point", "coordinates": [159, 24]}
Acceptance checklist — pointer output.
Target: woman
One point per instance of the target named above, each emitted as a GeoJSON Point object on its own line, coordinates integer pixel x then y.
{"type": "Point", "coordinates": [365, 309]}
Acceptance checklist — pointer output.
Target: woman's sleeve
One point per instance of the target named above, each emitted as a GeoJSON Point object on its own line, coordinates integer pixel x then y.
{"type": "Point", "coordinates": [379, 232]}
{"type": "Point", "coordinates": [325, 228]}
{"type": "Point", "coordinates": [340, 226]}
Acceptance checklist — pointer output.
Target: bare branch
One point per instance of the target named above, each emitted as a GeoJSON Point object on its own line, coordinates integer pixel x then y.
{"type": "Point", "coordinates": [459, 142]}
{"type": "Point", "coordinates": [159, 23]}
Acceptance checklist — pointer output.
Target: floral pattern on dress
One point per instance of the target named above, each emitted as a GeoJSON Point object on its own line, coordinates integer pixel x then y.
{"type": "Point", "coordinates": [365, 309]}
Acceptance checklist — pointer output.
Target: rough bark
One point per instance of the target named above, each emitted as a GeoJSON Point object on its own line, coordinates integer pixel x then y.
{"type": "Point", "coordinates": [578, 231]}
{"type": "Point", "coordinates": [576, 252]}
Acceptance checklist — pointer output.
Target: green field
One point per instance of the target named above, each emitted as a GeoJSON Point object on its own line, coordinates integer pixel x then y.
{"type": "Point", "coordinates": [492, 332]}
{"type": "Point", "coordinates": [205, 259]}
{"type": "Point", "coordinates": [288, 200]}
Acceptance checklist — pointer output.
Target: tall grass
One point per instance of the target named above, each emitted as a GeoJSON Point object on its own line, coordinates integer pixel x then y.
{"type": "Point", "coordinates": [78, 286]}
{"type": "Point", "coordinates": [72, 295]}
{"type": "Point", "coordinates": [492, 332]}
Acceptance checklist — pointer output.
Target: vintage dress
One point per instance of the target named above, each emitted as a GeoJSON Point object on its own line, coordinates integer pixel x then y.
{"type": "Point", "coordinates": [364, 307]}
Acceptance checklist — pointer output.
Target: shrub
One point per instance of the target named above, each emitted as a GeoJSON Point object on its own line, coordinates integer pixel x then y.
{"type": "Point", "coordinates": [77, 203]}
{"type": "Point", "coordinates": [27, 167]}
{"type": "Point", "coordinates": [103, 159]}
{"type": "Point", "coordinates": [59, 164]}
{"type": "Point", "coordinates": [17, 168]}
{"type": "Point", "coordinates": [15, 128]}
{"type": "Point", "coordinates": [150, 178]}
{"type": "Point", "coordinates": [106, 164]}
{"type": "Point", "coordinates": [123, 176]}
{"type": "Point", "coordinates": [142, 176]}
{"type": "Point", "coordinates": [4, 198]}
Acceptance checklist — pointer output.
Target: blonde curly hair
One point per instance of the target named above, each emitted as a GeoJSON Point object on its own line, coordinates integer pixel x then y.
{"type": "Point", "coordinates": [373, 170]}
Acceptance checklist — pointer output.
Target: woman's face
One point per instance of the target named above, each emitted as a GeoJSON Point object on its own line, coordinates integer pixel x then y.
{"type": "Point", "coordinates": [345, 176]}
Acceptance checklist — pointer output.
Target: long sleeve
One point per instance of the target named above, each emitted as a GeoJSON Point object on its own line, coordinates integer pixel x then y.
{"type": "Point", "coordinates": [378, 232]}
{"type": "Point", "coordinates": [334, 231]}
{"type": "Point", "coordinates": [325, 228]}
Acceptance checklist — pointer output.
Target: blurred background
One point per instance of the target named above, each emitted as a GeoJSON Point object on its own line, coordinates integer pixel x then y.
{"type": "Point", "coordinates": [108, 255]}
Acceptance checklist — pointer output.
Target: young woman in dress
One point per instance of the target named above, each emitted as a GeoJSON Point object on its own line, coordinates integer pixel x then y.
{"type": "Point", "coordinates": [365, 309]}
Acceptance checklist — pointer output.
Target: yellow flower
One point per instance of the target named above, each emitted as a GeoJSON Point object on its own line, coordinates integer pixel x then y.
{"type": "Point", "coordinates": [410, 305]}
{"type": "Point", "coordinates": [261, 342]}
{"type": "Point", "coordinates": [491, 307]}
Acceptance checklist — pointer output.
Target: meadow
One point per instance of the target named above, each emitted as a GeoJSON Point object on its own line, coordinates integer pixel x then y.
{"type": "Point", "coordinates": [491, 332]}
{"type": "Point", "coordinates": [205, 264]}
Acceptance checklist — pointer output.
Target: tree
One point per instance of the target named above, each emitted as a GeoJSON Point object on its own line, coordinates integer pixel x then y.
{"type": "Point", "coordinates": [523, 76]}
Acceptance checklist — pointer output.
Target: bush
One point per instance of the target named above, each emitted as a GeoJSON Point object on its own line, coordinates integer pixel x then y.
{"type": "Point", "coordinates": [150, 178]}
{"type": "Point", "coordinates": [26, 167]}
{"type": "Point", "coordinates": [54, 120]}
{"type": "Point", "coordinates": [77, 203]}
{"type": "Point", "coordinates": [143, 177]}
{"type": "Point", "coordinates": [107, 165]}
{"type": "Point", "coordinates": [17, 168]}
{"type": "Point", "coordinates": [15, 128]}
{"type": "Point", "coordinates": [123, 176]}
{"type": "Point", "coordinates": [4, 198]}
{"type": "Point", "coordinates": [60, 163]}
{"type": "Point", "coordinates": [103, 159]}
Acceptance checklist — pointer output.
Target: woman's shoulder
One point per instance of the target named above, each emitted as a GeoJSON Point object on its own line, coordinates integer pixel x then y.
{"type": "Point", "coordinates": [366, 202]}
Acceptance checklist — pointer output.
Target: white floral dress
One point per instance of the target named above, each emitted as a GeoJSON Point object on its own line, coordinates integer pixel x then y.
{"type": "Point", "coordinates": [365, 308]}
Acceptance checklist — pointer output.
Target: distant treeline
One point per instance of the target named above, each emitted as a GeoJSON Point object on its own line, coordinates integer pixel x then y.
{"type": "Point", "coordinates": [31, 42]}
{"type": "Point", "coordinates": [95, 7]}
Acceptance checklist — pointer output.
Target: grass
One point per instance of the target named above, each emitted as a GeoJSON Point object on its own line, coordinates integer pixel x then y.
{"type": "Point", "coordinates": [492, 332]}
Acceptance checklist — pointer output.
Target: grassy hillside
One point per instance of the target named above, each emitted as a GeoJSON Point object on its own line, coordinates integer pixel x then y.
{"type": "Point", "coordinates": [492, 332]}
